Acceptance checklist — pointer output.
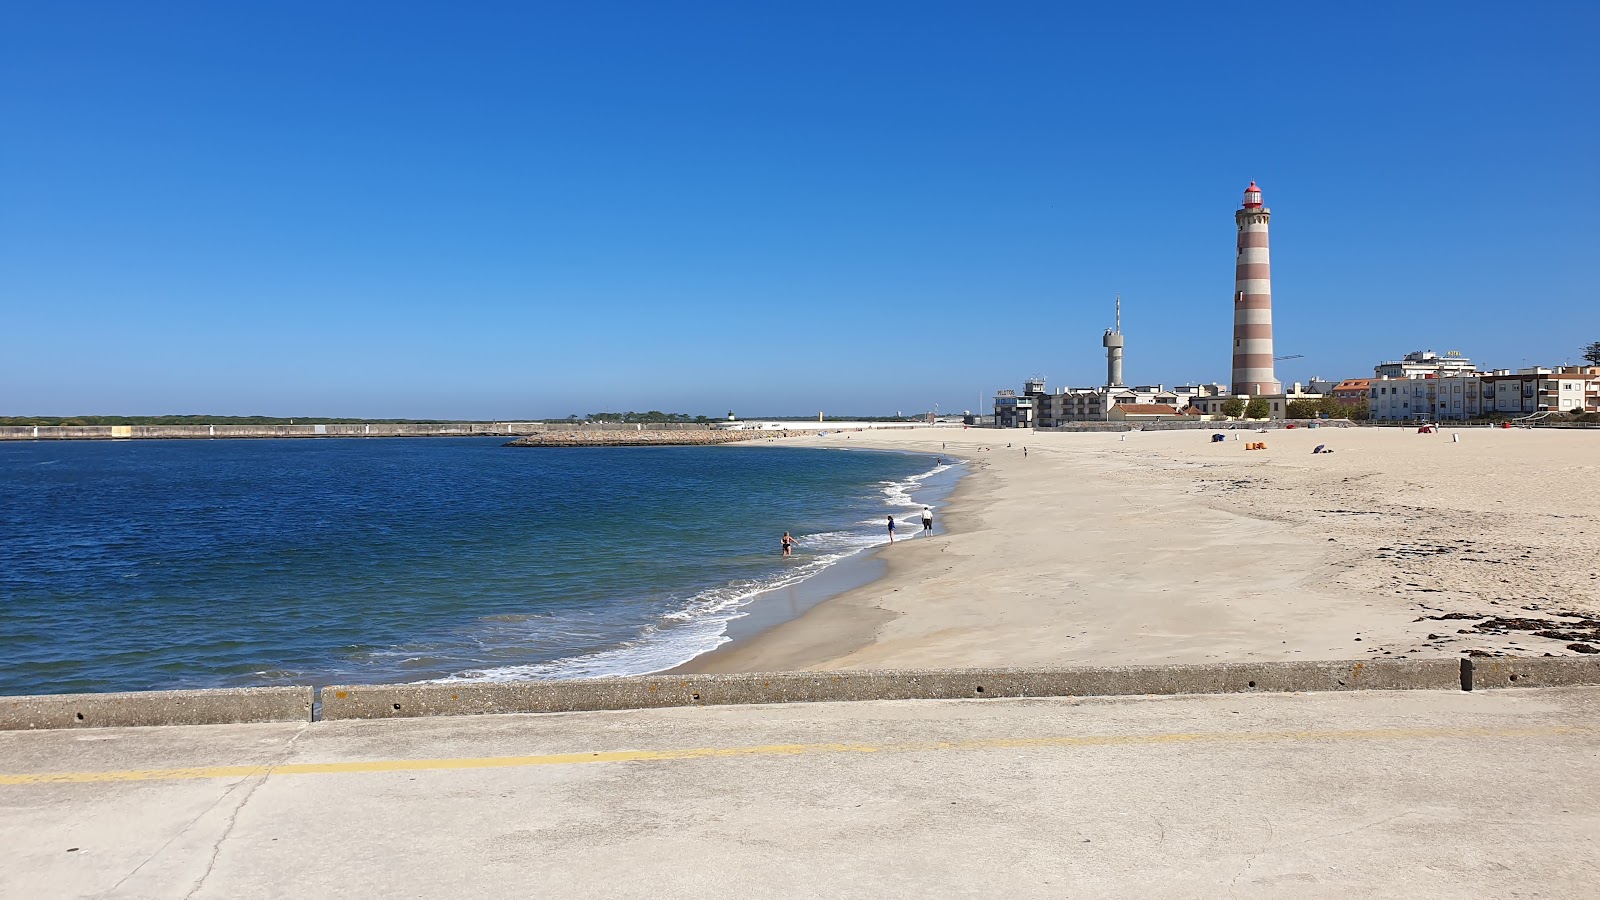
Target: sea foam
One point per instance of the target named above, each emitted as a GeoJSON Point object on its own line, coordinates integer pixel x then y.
{"type": "Point", "coordinates": [700, 623]}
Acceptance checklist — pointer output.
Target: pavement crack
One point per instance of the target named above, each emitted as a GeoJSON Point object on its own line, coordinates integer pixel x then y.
{"type": "Point", "coordinates": [1266, 848]}
{"type": "Point", "coordinates": [1243, 869]}
{"type": "Point", "coordinates": [233, 817]}
{"type": "Point", "coordinates": [227, 829]}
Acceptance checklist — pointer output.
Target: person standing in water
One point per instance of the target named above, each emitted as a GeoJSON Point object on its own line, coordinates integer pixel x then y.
{"type": "Point", "coordinates": [927, 518]}
{"type": "Point", "coordinates": [788, 545]}
{"type": "Point", "coordinates": [891, 529]}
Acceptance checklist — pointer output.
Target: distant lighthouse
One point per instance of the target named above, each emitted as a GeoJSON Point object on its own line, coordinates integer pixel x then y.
{"type": "Point", "coordinates": [1252, 301]}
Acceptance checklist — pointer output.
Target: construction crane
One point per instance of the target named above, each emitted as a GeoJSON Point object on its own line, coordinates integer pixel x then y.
{"type": "Point", "coordinates": [1290, 356]}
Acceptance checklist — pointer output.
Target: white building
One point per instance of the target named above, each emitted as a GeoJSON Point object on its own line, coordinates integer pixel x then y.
{"type": "Point", "coordinates": [1277, 404]}
{"type": "Point", "coordinates": [1425, 362]}
{"type": "Point", "coordinates": [1096, 404]}
{"type": "Point", "coordinates": [1479, 395]}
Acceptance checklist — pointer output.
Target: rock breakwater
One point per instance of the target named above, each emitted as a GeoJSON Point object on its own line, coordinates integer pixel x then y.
{"type": "Point", "coordinates": [582, 437]}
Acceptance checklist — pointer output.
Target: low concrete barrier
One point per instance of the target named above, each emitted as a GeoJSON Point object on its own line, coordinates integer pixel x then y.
{"type": "Point", "coordinates": [1530, 671]}
{"type": "Point", "coordinates": [476, 698]}
{"type": "Point", "coordinates": [294, 704]}
{"type": "Point", "coordinates": [218, 707]}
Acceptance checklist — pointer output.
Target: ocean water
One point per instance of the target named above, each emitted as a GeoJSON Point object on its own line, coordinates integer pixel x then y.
{"type": "Point", "coordinates": [138, 565]}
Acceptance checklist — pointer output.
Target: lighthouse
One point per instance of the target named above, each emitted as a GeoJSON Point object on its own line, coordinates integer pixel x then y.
{"type": "Point", "coordinates": [1252, 301]}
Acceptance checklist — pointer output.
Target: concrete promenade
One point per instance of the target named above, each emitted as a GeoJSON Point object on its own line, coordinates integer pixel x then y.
{"type": "Point", "coordinates": [1438, 793]}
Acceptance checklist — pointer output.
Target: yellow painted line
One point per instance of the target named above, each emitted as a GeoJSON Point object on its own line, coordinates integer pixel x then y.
{"type": "Point", "coordinates": [616, 756]}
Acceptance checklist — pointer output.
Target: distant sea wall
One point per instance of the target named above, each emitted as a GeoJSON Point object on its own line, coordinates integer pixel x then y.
{"type": "Point", "coordinates": [641, 438]}
{"type": "Point", "coordinates": [453, 429]}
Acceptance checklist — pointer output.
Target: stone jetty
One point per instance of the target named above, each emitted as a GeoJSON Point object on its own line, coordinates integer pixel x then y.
{"type": "Point", "coordinates": [583, 437]}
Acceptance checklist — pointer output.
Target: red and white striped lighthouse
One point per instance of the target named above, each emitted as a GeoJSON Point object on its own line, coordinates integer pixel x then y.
{"type": "Point", "coordinates": [1252, 301]}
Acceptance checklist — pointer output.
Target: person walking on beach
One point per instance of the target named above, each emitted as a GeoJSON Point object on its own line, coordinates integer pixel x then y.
{"type": "Point", "coordinates": [788, 545]}
{"type": "Point", "coordinates": [891, 529]}
{"type": "Point", "coordinates": [927, 518]}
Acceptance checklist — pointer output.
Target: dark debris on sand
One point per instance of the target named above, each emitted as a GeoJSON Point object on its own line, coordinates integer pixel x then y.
{"type": "Point", "coordinates": [1580, 636]}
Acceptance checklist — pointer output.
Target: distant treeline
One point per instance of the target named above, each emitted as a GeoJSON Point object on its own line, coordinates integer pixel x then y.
{"type": "Point", "coordinates": [212, 420]}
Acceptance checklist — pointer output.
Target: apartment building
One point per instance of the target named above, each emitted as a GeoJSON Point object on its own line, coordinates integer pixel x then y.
{"type": "Point", "coordinates": [1277, 404]}
{"type": "Point", "coordinates": [1419, 363]}
{"type": "Point", "coordinates": [1501, 392]}
{"type": "Point", "coordinates": [1097, 404]}
{"type": "Point", "coordinates": [1351, 390]}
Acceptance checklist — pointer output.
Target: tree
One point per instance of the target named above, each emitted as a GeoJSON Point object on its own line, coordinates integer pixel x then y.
{"type": "Point", "coordinates": [1257, 409]}
{"type": "Point", "coordinates": [1355, 412]}
{"type": "Point", "coordinates": [1334, 408]}
{"type": "Point", "coordinates": [1592, 353]}
{"type": "Point", "coordinates": [1233, 407]}
{"type": "Point", "coordinates": [1303, 409]}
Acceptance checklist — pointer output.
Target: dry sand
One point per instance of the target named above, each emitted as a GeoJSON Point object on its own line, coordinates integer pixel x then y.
{"type": "Point", "coordinates": [1163, 547]}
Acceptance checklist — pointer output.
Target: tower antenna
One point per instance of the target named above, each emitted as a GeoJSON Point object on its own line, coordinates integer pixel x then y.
{"type": "Point", "coordinates": [1113, 343]}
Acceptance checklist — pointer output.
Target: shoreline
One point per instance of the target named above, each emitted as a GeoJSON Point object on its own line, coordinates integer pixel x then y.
{"type": "Point", "coordinates": [826, 595]}
{"type": "Point", "coordinates": [1160, 547]}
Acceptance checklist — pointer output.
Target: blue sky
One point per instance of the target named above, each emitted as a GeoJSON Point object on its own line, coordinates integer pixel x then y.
{"type": "Point", "coordinates": [516, 210]}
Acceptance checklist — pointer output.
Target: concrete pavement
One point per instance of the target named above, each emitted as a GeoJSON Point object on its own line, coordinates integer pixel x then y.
{"type": "Point", "coordinates": [1437, 793]}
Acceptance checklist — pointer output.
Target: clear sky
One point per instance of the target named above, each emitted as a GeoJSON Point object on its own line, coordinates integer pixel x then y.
{"type": "Point", "coordinates": [476, 210]}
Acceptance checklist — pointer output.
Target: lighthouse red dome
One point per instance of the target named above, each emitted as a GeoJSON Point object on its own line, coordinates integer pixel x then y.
{"type": "Point", "coordinates": [1252, 196]}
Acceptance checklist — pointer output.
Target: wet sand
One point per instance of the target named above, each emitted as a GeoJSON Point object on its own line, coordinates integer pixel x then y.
{"type": "Point", "coordinates": [1163, 547]}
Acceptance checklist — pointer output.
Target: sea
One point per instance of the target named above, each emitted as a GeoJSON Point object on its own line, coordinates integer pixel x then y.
{"type": "Point", "coordinates": [152, 565]}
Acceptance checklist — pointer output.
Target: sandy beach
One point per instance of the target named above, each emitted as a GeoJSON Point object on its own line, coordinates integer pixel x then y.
{"type": "Point", "coordinates": [1159, 547]}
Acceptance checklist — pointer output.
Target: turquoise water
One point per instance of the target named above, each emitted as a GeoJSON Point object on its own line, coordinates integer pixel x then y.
{"type": "Point", "coordinates": [164, 564]}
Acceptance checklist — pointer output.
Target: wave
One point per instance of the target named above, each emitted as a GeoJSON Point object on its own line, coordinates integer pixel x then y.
{"type": "Point", "coordinates": [898, 493]}
{"type": "Point", "coordinates": [700, 624]}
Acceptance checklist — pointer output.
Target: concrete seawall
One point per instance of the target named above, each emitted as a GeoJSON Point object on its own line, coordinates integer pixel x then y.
{"type": "Point", "coordinates": [1529, 671]}
{"type": "Point", "coordinates": [295, 704]}
{"type": "Point", "coordinates": [345, 430]}
{"type": "Point", "coordinates": [578, 438]}
{"type": "Point", "coordinates": [904, 684]}
{"type": "Point", "coordinates": [217, 707]}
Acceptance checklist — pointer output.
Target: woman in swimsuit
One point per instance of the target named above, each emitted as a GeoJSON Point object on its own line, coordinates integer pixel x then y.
{"type": "Point", "coordinates": [788, 544]}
